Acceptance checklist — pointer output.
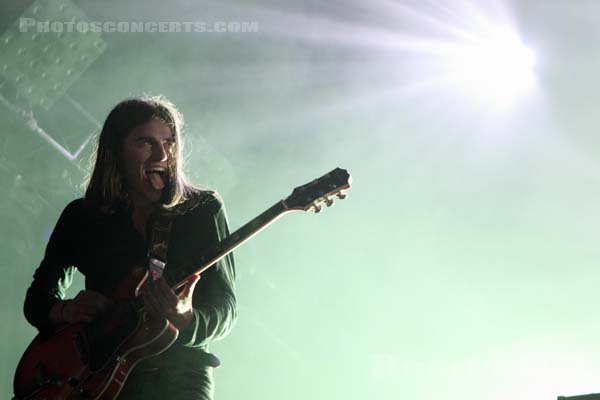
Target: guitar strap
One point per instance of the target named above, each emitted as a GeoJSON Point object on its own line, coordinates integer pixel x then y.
{"type": "Point", "coordinates": [159, 234]}
{"type": "Point", "coordinates": [158, 244]}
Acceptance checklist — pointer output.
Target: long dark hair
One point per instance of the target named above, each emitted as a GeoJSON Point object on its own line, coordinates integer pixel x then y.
{"type": "Point", "coordinates": [106, 188]}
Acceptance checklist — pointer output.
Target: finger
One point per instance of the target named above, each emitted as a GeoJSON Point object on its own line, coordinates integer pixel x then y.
{"type": "Point", "coordinates": [100, 300]}
{"type": "Point", "coordinates": [86, 318]}
{"type": "Point", "coordinates": [91, 310]}
{"type": "Point", "coordinates": [162, 293]}
{"type": "Point", "coordinates": [165, 294]}
{"type": "Point", "coordinates": [92, 299]}
{"type": "Point", "coordinates": [189, 287]}
{"type": "Point", "coordinates": [82, 316]}
{"type": "Point", "coordinates": [74, 310]}
{"type": "Point", "coordinates": [87, 313]}
{"type": "Point", "coordinates": [163, 299]}
{"type": "Point", "coordinates": [166, 305]}
{"type": "Point", "coordinates": [151, 303]}
{"type": "Point", "coordinates": [92, 305]}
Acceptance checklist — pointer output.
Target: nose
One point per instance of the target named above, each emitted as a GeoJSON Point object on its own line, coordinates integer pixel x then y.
{"type": "Point", "coordinates": [160, 152]}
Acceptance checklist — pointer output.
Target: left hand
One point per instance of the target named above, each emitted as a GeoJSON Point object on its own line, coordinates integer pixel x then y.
{"type": "Point", "coordinates": [160, 300]}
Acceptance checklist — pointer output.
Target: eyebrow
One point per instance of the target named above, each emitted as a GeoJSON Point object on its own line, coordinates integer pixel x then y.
{"type": "Point", "coordinates": [152, 138]}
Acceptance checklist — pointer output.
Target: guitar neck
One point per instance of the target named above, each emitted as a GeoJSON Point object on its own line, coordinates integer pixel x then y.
{"type": "Point", "coordinates": [230, 243]}
{"type": "Point", "coordinates": [308, 197]}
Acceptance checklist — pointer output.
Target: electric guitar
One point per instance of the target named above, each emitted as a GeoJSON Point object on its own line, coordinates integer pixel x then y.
{"type": "Point", "coordinates": [92, 361]}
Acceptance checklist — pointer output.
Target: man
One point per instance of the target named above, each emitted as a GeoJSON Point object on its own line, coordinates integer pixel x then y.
{"type": "Point", "coordinates": [137, 175]}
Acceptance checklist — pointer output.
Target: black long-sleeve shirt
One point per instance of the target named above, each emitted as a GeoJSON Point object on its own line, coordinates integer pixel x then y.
{"type": "Point", "coordinates": [105, 247]}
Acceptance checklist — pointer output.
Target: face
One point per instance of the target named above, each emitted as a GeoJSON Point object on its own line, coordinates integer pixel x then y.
{"type": "Point", "coordinates": [147, 152]}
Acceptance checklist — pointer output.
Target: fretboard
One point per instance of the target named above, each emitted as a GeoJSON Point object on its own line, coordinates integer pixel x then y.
{"type": "Point", "coordinates": [226, 246]}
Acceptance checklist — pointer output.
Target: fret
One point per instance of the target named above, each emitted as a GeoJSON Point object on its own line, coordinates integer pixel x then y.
{"type": "Point", "coordinates": [308, 197]}
{"type": "Point", "coordinates": [228, 244]}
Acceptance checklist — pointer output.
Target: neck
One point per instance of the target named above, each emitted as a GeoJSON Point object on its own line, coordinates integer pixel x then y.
{"type": "Point", "coordinates": [140, 212]}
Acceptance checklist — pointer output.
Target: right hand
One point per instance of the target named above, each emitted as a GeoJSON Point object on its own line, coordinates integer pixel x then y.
{"type": "Point", "coordinates": [83, 308]}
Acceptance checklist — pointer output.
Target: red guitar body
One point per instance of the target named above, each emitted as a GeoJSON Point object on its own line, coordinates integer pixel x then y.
{"type": "Point", "coordinates": [92, 361]}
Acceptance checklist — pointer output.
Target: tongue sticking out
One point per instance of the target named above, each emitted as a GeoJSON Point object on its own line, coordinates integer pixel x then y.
{"type": "Point", "coordinates": [156, 180]}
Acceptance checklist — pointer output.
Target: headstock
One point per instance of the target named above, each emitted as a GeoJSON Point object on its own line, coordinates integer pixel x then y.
{"type": "Point", "coordinates": [313, 195]}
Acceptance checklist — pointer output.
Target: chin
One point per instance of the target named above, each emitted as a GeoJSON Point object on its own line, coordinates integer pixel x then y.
{"type": "Point", "coordinates": [151, 196]}
{"type": "Point", "coordinates": [155, 197]}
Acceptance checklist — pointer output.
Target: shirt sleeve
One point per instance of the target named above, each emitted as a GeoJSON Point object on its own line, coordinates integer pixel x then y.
{"type": "Point", "coordinates": [214, 298]}
{"type": "Point", "coordinates": [55, 273]}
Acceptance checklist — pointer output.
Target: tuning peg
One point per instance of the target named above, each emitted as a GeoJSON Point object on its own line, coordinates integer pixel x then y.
{"type": "Point", "coordinates": [316, 208]}
{"type": "Point", "coordinates": [342, 195]}
{"type": "Point", "coordinates": [329, 202]}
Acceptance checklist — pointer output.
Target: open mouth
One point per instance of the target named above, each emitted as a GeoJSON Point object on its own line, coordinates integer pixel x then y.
{"type": "Point", "coordinates": [156, 176]}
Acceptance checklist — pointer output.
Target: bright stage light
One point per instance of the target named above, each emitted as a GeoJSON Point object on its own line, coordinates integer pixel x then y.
{"type": "Point", "coordinates": [499, 68]}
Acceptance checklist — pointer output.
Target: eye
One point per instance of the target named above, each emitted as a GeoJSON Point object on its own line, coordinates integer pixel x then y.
{"type": "Point", "coordinates": [145, 141]}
